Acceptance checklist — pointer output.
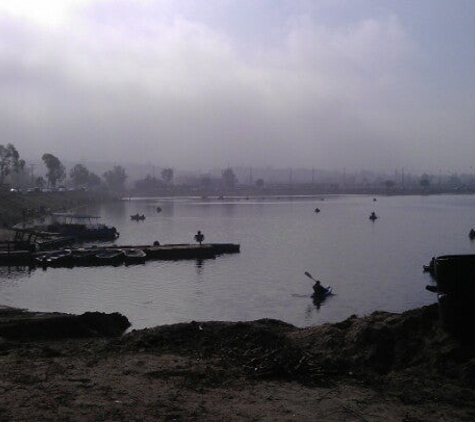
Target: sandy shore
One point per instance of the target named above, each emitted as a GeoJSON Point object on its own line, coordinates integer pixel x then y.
{"type": "Point", "coordinates": [396, 367]}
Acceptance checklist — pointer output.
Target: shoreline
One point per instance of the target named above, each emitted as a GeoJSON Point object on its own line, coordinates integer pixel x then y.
{"type": "Point", "coordinates": [385, 365]}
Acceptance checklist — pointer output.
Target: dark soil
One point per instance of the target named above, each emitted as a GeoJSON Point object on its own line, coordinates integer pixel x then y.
{"type": "Point", "coordinates": [401, 367]}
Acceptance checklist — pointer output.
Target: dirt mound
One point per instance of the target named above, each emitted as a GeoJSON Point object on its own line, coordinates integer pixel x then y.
{"type": "Point", "coordinates": [376, 345]}
{"type": "Point", "coordinates": [259, 349]}
{"type": "Point", "coordinates": [22, 325]}
{"type": "Point", "coordinates": [381, 342]}
{"type": "Point", "coordinates": [393, 366]}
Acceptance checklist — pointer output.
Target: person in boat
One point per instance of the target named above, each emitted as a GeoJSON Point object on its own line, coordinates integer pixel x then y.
{"type": "Point", "coordinates": [318, 289]}
{"type": "Point", "coordinates": [199, 237]}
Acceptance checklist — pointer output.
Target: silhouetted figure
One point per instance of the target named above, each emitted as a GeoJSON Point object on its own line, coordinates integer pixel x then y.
{"type": "Point", "coordinates": [199, 237]}
{"type": "Point", "coordinates": [318, 289]}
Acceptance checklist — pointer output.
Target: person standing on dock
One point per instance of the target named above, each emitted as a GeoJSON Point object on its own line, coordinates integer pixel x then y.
{"type": "Point", "coordinates": [199, 237]}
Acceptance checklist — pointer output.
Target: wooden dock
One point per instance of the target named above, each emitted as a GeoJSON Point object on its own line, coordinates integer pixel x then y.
{"type": "Point", "coordinates": [153, 252]}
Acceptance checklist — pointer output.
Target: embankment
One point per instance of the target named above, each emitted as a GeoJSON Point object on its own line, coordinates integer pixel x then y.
{"type": "Point", "coordinates": [395, 367]}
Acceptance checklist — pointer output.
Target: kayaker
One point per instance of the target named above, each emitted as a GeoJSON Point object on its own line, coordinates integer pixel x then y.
{"type": "Point", "coordinates": [318, 289]}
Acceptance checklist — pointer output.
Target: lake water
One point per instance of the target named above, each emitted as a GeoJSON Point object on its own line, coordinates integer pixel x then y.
{"type": "Point", "coordinates": [370, 265]}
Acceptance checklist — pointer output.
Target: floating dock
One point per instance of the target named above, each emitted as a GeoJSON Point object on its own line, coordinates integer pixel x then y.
{"type": "Point", "coordinates": [62, 258]}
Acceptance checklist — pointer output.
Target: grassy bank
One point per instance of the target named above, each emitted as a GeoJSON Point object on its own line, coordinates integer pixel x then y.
{"type": "Point", "coordinates": [14, 207]}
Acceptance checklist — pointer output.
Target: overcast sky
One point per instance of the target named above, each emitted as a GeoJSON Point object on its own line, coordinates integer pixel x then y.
{"type": "Point", "coordinates": [200, 84]}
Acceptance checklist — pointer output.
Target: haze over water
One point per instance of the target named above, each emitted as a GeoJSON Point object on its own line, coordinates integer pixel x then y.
{"type": "Point", "coordinates": [370, 265]}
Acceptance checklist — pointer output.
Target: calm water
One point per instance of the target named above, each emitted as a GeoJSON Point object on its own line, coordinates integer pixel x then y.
{"type": "Point", "coordinates": [371, 266]}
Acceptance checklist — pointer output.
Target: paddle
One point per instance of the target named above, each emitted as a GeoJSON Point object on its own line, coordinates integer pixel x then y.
{"type": "Point", "coordinates": [309, 275]}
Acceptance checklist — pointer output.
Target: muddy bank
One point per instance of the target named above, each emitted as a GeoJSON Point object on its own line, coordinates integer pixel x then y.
{"type": "Point", "coordinates": [391, 366]}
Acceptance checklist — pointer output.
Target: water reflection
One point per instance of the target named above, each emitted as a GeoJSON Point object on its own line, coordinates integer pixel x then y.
{"type": "Point", "coordinates": [15, 272]}
{"type": "Point", "coordinates": [199, 266]}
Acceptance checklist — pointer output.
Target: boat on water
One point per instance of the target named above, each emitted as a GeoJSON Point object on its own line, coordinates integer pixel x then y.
{"type": "Point", "coordinates": [319, 297]}
{"type": "Point", "coordinates": [82, 256]}
{"type": "Point", "coordinates": [54, 258]}
{"type": "Point", "coordinates": [137, 217]}
{"type": "Point", "coordinates": [80, 227]}
{"type": "Point", "coordinates": [471, 234]}
{"type": "Point", "coordinates": [134, 256]}
{"type": "Point", "coordinates": [109, 257]}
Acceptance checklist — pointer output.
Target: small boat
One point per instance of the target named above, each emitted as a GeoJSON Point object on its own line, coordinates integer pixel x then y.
{"type": "Point", "coordinates": [134, 256]}
{"type": "Point", "coordinates": [317, 210]}
{"type": "Point", "coordinates": [138, 217]}
{"type": "Point", "coordinates": [109, 256]}
{"type": "Point", "coordinates": [318, 297]}
{"type": "Point", "coordinates": [83, 256]}
{"type": "Point", "coordinates": [471, 234]}
{"type": "Point", "coordinates": [56, 258]}
{"type": "Point", "coordinates": [159, 209]}
{"type": "Point", "coordinates": [373, 216]}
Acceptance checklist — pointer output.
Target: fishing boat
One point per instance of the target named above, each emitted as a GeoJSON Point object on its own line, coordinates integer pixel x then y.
{"type": "Point", "coordinates": [373, 216]}
{"type": "Point", "coordinates": [109, 256]}
{"type": "Point", "coordinates": [134, 256]}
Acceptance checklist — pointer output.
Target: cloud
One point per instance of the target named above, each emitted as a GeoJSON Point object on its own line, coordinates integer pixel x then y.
{"type": "Point", "coordinates": [141, 81]}
{"type": "Point", "coordinates": [49, 13]}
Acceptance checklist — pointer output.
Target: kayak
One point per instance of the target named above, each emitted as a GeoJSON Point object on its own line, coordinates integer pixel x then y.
{"type": "Point", "coordinates": [323, 295]}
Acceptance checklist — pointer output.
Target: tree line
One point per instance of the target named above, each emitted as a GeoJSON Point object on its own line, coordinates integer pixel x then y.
{"type": "Point", "coordinates": [13, 169]}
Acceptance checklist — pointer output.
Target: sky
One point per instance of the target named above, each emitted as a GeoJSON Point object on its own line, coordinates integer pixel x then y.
{"type": "Point", "coordinates": [201, 84]}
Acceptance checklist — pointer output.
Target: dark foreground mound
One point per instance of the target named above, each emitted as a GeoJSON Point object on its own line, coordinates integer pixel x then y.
{"type": "Point", "coordinates": [22, 325]}
{"type": "Point", "coordinates": [391, 366]}
{"type": "Point", "coordinates": [373, 346]}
